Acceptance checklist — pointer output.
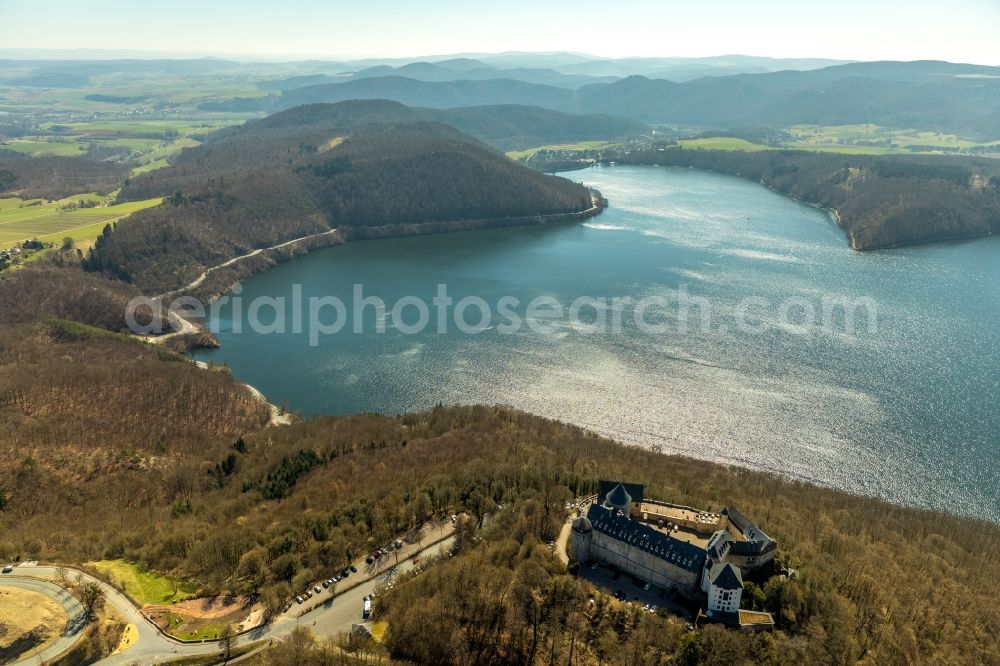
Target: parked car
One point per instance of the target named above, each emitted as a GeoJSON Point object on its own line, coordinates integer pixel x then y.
{"type": "Point", "coordinates": [326, 584]}
{"type": "Point", "coordinates": [370, 559]}
{"type": "Point", "coordinates": [345, 572]}
{"type": "Point", "coordinates": [8, 569]}
{"type": "Point", "coordinates": [353, 569]}
{"type": "Point", "coordinates": [299, 599]}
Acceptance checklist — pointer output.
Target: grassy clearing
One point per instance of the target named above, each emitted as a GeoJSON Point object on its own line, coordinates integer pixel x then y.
{"type": "Point", "coordinates": [723, 143]}
{"type": "Point", "coordinates": [848, 140]}
{"type": "Point", "coordinates": [52, 221]}
{"type": "Point", "coordinates": [184, 628]}
{"type": "Point", "coordinates": [859, 138]}
{"type": "Point", "coordinates": [43, 147]}
{"type": "Point", "coordinates": [150, 166]}
{"type": "Point", "coordinates": [138, 128]}
{"type": "Point", "coordinates": [583, 145]}
{"type": "Point", "coordinates": [144, 586]}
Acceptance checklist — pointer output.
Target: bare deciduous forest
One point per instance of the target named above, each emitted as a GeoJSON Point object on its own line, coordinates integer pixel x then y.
{"type": "Point", "coordinates": [878, 583]}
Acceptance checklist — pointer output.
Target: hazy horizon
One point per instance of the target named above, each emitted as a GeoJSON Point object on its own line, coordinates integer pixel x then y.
{"type": "Point", "coordinates": [390, 29]}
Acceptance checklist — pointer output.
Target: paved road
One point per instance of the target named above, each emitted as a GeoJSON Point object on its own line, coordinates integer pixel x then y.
{"type": "Point", "coordinates": [74, 612]}
{"type": "Point", "coordinates": [333, 616]}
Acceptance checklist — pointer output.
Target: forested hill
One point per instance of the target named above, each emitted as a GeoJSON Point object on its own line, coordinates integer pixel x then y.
{"type": "Point", "coordinates": [309, 170]}
{"type": "Point", "coordinates": [507, 126]}
{"type": "Point", "coordinates": [885, 201]}
{"type": "Point", "coordinates": [939, 96]}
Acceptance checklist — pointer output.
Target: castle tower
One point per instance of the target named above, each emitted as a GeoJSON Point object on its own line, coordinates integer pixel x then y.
{"type": "Point", "coordinates": [580, 537]}
{"type": "Point", "coordinates": [619, 499]}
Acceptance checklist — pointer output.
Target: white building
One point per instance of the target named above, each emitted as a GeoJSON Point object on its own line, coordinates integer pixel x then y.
{"type": "Point", "coordinates": [724, 586]}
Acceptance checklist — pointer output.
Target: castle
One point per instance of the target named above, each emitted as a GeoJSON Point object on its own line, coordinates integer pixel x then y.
{"type": "Point", "coordinates": [698, 553]}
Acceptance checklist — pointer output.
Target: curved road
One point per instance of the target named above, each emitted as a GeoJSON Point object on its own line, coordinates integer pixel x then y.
{"type": "Point", "coordinates": [333, 616]}
{"type": "Point", "coordinates": [74, 614]}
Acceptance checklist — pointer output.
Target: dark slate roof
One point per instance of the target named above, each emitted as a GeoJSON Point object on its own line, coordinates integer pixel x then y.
{"type": "Point", "coordinates": [727, 577]}
{"type": "Point", "coordinates": [679, 553]}
{"type": "Point", "coordinates": [635, 490]}
{"type": "Point", "coordinates": [619, 496]}
{"type": "Point", "coordinates": [582, 525]}
{"type": "Point", "coordinates": [756, 541]}
{"type": "Point", "coordinates": [752, 547]}
{"type": "Point", "coordinates": [719, 544]}
{"type": "Point", "coordinates": [736, 518]}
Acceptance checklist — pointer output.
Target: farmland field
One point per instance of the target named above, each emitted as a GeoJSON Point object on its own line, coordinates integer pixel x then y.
{"type": "Point", "coordinates": [582, 145]}
{"type": "Point", "coordinates": [723, 143]}
{"type": "Point", "coordinates": [52, 221]}
{"type": "Point", "coordinates": [62, 148]}
{"type": "Point", "coordinates": [874, 137]}
{"type": "Point", "coordinates": [142, 144]}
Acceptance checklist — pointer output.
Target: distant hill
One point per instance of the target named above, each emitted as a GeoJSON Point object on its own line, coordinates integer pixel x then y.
{"type": "Point", "coordinates": [940, 96]}
{"type": "Point", "coordinates": [307, 170]}
{"type": "Point", "coordinates": [885, 201]}
{"type": "Point", "coordinates": [49, 79]}
{"type": "Point", "coordinates": [686, 69]}
{"type": "Point", "coordinates": [433, 94]}
{"type": "Point", "coordinates": [926, 95]}
{"type": "Point", "coordinates": [444, 71]}
{"type": "Point", "coordinates": [509, 127]}
{"type": "Point", "coordinates": [52, 177]}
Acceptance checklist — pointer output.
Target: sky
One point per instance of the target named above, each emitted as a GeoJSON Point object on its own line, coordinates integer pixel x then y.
{"type": "Point", "coordinates": [958, 30]}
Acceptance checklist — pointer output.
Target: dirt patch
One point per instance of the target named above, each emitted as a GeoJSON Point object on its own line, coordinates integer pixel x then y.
{"type": "Point", "coordinates": [29, 621]}
{"type": "Point", "coordinates": [205, 618]}
{"type": "Point", "coordinates": [206, 608]}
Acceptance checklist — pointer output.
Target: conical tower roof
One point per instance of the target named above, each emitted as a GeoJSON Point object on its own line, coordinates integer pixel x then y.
{"type": "Point", "coordinates": [619, 497]}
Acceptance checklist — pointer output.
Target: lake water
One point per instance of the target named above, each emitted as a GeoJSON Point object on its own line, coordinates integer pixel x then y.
{"type": "Point", "coordinates": [907, 411]}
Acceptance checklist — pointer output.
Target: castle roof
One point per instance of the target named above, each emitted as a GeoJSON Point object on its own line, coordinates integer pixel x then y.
{"type": "Point", "coordinates": [582, 525]}
{"type": "Point", "coordinates": [756, 541]}
{"type": "Point", "coordinates": [719, 544]}
{"type": "Point", "coordinates": [726, 577]}
{"type": "Point", "coordinates": [619, 496]}
{"type": "Point", "coordinates": [639, 535]}
{"type": "Point", "coordinates": [635, 490]}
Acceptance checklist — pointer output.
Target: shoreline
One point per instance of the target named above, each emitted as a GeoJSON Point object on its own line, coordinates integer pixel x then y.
{"type": "Point", "coordinates": [344, 235]}
{"type": "Point", "coordinates": [852, 240]}
{"type": "Point", "coordinates": [278, 416]}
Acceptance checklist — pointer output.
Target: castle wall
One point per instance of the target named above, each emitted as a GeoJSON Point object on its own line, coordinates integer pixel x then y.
{"type": "Point", "coordinates": [642, 564]}
{"type": "Point", "coordinates": [579, 546]}
{"type": "Point", "coordinates": [726, 601]}
{"type": "Point", "coordinates": [748, 563]}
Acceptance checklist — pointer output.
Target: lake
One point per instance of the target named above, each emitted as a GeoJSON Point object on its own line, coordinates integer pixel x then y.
{"type": "Point", "coordinates": [904, 406]}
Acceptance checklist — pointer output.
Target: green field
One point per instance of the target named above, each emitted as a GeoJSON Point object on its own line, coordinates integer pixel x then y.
{"type": "Point", "coordinates": [60, 148]}
{"type": "Point", "coordinates": [847, 140]}
{"type": "Point", "coordinates": [144, 586]}
{"type": "Point", "coordinates": [51, 221]}
{"type": "Point", "coordinates": [137, 127]}
{"type": "Point", "coordinates": [583, 145]}
{"type": "Point", "coordinates": [723, 143]}
{"type": "Point", "coordinates": [859, 138]}
{"type": "Point", "coordinates": [144, 140]}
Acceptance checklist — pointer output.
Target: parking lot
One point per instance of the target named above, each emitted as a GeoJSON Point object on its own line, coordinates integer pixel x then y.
{"type": "Point", "coordinates": [633, 591]}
